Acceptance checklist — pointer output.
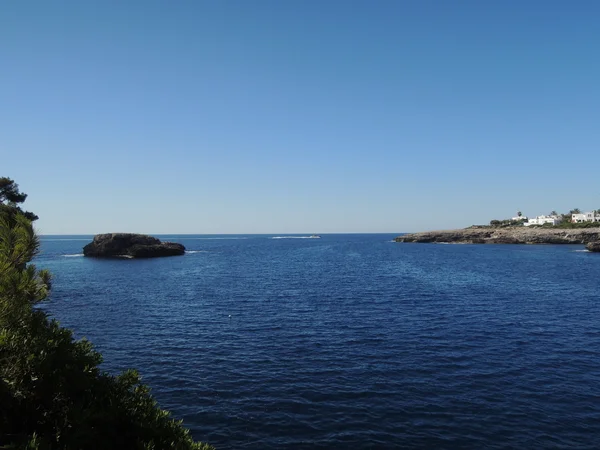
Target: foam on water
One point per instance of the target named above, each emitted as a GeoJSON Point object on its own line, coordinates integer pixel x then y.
{"type": "Point", "coordinates": [293, 237]}
{"type": "Point", "coordinates": [185, 238]}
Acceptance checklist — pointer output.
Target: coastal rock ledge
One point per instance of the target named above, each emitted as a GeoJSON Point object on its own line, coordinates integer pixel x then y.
{"type": "Point", "coordinates": [130, 245]}
{"type": "Point", "coordinates": [516, 235]}
{"type": "Point", "coordinates": [593, 246]}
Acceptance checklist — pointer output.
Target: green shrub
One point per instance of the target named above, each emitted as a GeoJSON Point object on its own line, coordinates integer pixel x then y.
{"type": "Point", "coordinates": [506, 223]}
{"type": "Point", "coordinates": [53, 395]}
{"type": "Point", "coordinates": [569, 225]}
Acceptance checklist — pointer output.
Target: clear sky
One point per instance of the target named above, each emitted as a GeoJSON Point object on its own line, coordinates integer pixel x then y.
{"type": "Point", "coordinates": [298, 116]}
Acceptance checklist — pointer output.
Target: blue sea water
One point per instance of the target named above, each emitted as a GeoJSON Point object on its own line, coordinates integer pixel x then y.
{"type": "Point", "coordinates": [349, 341]}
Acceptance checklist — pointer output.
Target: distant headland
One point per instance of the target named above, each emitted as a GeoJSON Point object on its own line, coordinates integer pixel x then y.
{"type": "Point", "coordinates": [574, 227]}
{"type": "Point", "coordinates": [509, 235]}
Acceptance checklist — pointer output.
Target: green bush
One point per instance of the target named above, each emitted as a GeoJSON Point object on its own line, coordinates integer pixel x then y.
{"type": "Point", "coordinates": [507, 223]}
{"type": "Point", "coordinates": [53, 395]}
{"type": "Point", "coordinates": [569, 225]}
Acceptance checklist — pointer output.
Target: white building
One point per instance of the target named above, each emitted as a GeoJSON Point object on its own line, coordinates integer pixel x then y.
{"type": "Point", "coordinates": [585, 217]}
{"type": "Point", "coordinates": [541, 220]}
{"type": "Point", "coordinates": [517, 218]}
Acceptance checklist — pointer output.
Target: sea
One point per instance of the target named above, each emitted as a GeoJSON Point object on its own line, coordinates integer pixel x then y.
{"type": "Point", "coordinates": [349, 340]}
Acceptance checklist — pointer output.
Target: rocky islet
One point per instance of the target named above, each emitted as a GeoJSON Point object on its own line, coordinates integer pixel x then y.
{"type": "Point", "coordinates": [130, 245]}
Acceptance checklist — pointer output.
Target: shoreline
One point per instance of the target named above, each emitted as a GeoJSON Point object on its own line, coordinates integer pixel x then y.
{"type": "Point", "coordinates": [517, 235]}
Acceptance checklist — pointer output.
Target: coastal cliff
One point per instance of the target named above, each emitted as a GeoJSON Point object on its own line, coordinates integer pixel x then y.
{"type": "Point", "coordinates": [513, 235]}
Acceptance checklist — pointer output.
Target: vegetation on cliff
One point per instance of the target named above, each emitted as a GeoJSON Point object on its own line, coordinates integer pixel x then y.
{"type": "Point", "coordinates": [564, 225]}
{"type": "Point", "coordinates": [570, 225]}
{"type": "Point", "coordinates": [566, 222]}
{"type": "Point", "coordinates": [53, 394]}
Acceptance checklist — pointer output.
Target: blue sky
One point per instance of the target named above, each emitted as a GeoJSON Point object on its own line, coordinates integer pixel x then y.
{"type": "Point", "coordinates": [298, 116]}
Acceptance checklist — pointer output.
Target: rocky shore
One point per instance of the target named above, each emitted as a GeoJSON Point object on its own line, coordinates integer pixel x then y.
{"type": "Point", "coordinates": [129, 245]}
{"type": "Point", "coordinates": [514, 235]}
{"type": "Point", "coordinates": [593, 246]}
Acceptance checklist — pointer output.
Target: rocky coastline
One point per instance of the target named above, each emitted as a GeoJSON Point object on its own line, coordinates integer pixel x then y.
{"type": "Point", "coordinates": [593, 246]}
{"type": "Point", "coordinates": [511, 235]}
{"type": "Point", "coordinates": [130, 245]}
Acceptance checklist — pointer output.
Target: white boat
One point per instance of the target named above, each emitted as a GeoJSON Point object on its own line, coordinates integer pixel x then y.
{"type": "Point", "coordinates": [315, 236]}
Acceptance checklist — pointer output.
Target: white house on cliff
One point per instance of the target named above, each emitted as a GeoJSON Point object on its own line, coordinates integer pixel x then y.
{"type": "Point", "coordinates": [541, 220]}
{"type": "Point", "coordinates": [585, 217]}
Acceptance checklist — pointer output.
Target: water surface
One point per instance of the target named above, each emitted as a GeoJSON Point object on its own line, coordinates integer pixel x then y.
{"type": "Point", "coordinates": [349, 341]}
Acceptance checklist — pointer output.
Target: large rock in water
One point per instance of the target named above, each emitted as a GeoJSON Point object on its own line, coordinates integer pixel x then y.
{"type": "Point", "coordinates": [593, 246]}
{"type": "Point", "coordinates": [131, 245]}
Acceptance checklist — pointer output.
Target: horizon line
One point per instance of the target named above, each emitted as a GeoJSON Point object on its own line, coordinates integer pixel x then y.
{"type": "Point", "coordinates": [225, 234]}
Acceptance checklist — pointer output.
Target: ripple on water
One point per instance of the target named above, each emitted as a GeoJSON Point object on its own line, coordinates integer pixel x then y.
{"type": "Point", "coordinates": [350, 340]}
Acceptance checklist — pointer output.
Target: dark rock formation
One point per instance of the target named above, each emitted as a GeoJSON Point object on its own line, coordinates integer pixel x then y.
{"type": "Point", "coordinates": [131, 245]}
{"type": "Point", "coordinates": [593, 246]}
{"type": "Point", "coordinates": [516, 235]}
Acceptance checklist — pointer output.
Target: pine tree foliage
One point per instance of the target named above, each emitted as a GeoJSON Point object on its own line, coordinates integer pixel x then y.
{"type": "Point", "coordinates": [53, 395]}
{"type": "Point", "coordinates": [11, 197]}
{"type": "Point", "coordinates": [9, 192]}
